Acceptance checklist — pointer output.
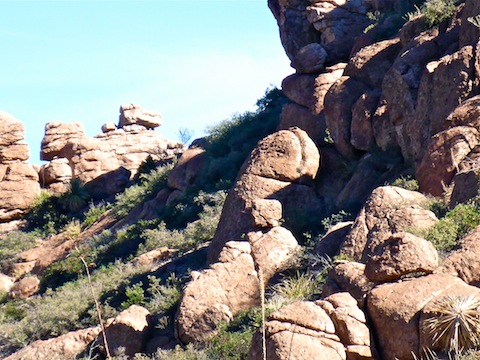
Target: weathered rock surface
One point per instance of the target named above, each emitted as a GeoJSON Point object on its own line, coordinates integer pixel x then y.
{"type": "Point", "coordinates": [389, 210]}
{"type": "Point", "coordinates": [128, 332]}
{"type": "Point", "coordinates": [401, 254]}
{"type": "Point", "coordinates": [56, 175]}
{"type": "Point", "coordinates": [463, 262]}
{"type": "Point", "coordinates": [440, 163]}
{"type": "Point", "coordinates": [349, 276]}
{"type": "Point", "coordinates": [300, 331]}
{"type": "Point", "coordinates": [275, 169]}
{"type": "Point", "coordinates": [6, 283]}
{"type": "Point", "coordinates": [25, 288]}
{"type": "Point", "coordinates": [350, 324]}
{"type": "Point", "coordinates": [18, 180]}
{"type": "Point", "coordinates": [395, 311]}
{"type": "Point", "coordinates": [133, 114]}
{"type": "Point", "coordinates": [60, 348]}
{"type": "Point", "coordinates": [107, 157]}
{"type": "Point", "coordinates": [186, 169]}
{"type": "Point", "coordinates": [330, 243]}
{"type": "Point", "coordinates": [310, 59]}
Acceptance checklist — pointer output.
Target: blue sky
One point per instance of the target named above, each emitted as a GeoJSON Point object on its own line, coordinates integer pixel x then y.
{"type": "Point", "coordinates": [197, 62]}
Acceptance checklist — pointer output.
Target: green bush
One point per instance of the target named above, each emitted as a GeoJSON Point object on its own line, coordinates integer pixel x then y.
{"type": "Point", "coordinates": [148, 187]}
{"type": "Point", "coordinates": [436, 11]}
{"type": "Point", "coordinates": [163, 298]}
{"type": "Point", "coordinates": [47, 214]}
{"type": "Point", "coordinates": [406, 182]}
{"type": "Point", "coordinates": [93, 213]}
{"type": "Point", "coordinates": [76, 198]}
{"type": "Point", "coordinates": [14, 243]}
{"type": "Point", "coordinates": [447, 233]}
{"type": "Point", "coordinates": [135, 296]}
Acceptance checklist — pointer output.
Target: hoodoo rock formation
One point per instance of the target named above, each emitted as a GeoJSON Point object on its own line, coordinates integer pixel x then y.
{"type": "Point", "coordinates": [110, 159]}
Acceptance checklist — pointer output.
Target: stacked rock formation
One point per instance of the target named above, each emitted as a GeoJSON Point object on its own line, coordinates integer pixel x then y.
{"type": "Point", "coordinates": [111, 158]}
{"type": "Point", "coordinates": [18, 180]}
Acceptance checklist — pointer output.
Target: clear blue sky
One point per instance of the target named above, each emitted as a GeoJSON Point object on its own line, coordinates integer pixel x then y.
{"type": "Point", "coordinates": [197, 62]}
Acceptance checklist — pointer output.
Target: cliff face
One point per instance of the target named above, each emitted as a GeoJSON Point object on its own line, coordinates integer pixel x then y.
{"type": "Point", "coordinates": [398, 86]}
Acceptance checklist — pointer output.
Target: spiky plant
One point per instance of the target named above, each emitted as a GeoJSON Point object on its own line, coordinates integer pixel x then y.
{"type": "Point", "coordinates": [456, 323]}
{"type": "Point", "coordinates": [77, 196]}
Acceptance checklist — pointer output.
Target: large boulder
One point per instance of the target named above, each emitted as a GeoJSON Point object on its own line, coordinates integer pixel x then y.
{"type": "Point", "coordinates": [132, 114]}
{"type": "Point", "coordinates": [463, 262]}
{"type": "Point", "coordinates": [66, 346]}
{"type": "Point", "coordinates": [388, 210]}
{"type": "Point", "coordinates": [395, 310]}
{"type": "Point", "coordinates": [300, 331]}
{"type": "Point", "coordinates": [440, 163]}
{"type": "Point", "coordinates": [401, 254]}
{"type": "Point", "coordinates": [128, 332]}
{"type": "Point", "coordinates": [276, 169]}
{"type": "Point", "coordinates": [57, 135]}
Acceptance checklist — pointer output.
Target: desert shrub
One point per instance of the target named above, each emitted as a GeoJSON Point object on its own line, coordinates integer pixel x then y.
{"type": "Point", "coordinates": [47, 214]}
{"type": "Point", "coordinates": [446, 234]}
{"type": "Point", "coordinates": [69, 307]}
{"type": "Point", "coordinates": [406, 182]}
{"type": "Point", "coordinates": [436, 11]}
{"type": "Point", "coordinates": [179, 353]}
{"type": "Point", "coordinates": [93, 213]}
{"type": "Point", "coordinates": [230, 141]}
{"type": "Point", "coordinates": [76, 198]}
{"type": "Point", "coordinates": [297, 287]}
{"type": "Point", "coordinates": [148, 187]}
{"type": "Point", "coordinates": [135, 295]}
{"type": "Point", "coordinates": [455, 324]}
{"type": "Point", "coordinates": [163, 298]}
{"type": "Point", "coordinates": [14, 243]}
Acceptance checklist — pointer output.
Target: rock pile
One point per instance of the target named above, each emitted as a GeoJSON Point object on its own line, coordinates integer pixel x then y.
{"type": "Point", "coordinates": [18, 180]}
{"type": "Point", "coordinates": [111, 159]}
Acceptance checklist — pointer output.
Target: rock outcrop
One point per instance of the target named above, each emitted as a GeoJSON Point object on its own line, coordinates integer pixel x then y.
{"type": "Point", "coordinates": [18, 180]}
{"type": "Point", "coordinates": [110, 159]}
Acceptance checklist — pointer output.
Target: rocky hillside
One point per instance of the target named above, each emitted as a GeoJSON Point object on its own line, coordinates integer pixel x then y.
{"type": "Point", "coordinates": [340, 220]}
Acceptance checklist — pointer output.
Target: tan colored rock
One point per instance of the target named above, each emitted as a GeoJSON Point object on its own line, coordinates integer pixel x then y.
{"type": "Point", "coordinates": [295, 30]}
{"type": "Point", "coordinates": [466, 114]}
{"type": "Point", "coordinates": [362, 117]}
{"type": "Point", "coordinates": [330, 243]}
{"type": "Point", "coordinates": [272, 250]}
{"type": "Point", "coordinates": [310, 59]}
{"type": "Point", "coordinates": [187, 169]}
{"type": "Point", "coordinates": [447, 149]}
{"type": "Point", "coordinates": [348, 276]}
{"type": "Point", "coordinates": [300, 89]}
{"type": "Point", "coordinates": [383, 130]}
{"type": "Point", "coordinates": [17, 270]}
{"type": "Point", "coordinates": [440, 93]}
{"type": "Point", "coordinates": [338, 112]}
{"type": "Point", "coordinates": [276, 168]}
{"type": "Point", "coordinates": [56, 171]}
{"type": "Point", "coordinates": [339, 22]}
{"type": "Point", "coordinates": [127, 333]}
{"type": "Point", "coordinates": [12, 130]}
{"type": "Point", "coordinates": [402, 254]}
{"type": "Point", "coordinates": [25, 288]}
{"type": "Point", "coordinates": [64, 347]}
{"type": "Point", "coordinates": [463, 262]}
{"type": "Point", "coordinates": [6, 283]}
{"type": "Point", "coordinates": [388, 210]}
{"type": "Point", "coordinates": [232, 286]}
{"type": "Point", "coordinates": [109, 126]}
{"type": "Point", "coordinates": [266, 213]}
{"type": "Point", "coordinates": [133, 114]}
{"type": "Point", "coordinates": [57, 136]}
{"type": "Point", "coordinates": [370, 64]}
{"type": "Point", "coordinates": [323, 82]}
{"type": "Point", "coordinates": [294, 115]}
{"type": "Point", "coordinates": [18, 188]}
{"type": "Point", "coordinates": [301, 331]}
{"type": "Point", "coordinates": [395, 310]}
{"type": "Point", "coordinates": [350, 324]}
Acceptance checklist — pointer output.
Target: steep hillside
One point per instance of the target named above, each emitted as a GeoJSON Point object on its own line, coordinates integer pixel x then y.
{"type": "Point", "coordinates": [340, 220]}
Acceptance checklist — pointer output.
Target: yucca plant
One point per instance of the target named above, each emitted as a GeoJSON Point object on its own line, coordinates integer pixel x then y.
{"type": "Point", "coordinates": [455, 325]}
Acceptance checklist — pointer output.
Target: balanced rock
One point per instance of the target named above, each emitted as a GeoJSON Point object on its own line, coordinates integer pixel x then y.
{"type": "Point", "coordinates": [57, 135]}
{"type": "Point", "coordinates": [133, 114]}
{"type": "Point", "coordinates": [389, 210]}
{"type": "Point", "coordinates": [401, 254]}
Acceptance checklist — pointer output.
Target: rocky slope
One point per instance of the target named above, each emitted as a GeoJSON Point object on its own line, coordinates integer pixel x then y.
{"type": "Point", "coordinates": [375, 98]}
